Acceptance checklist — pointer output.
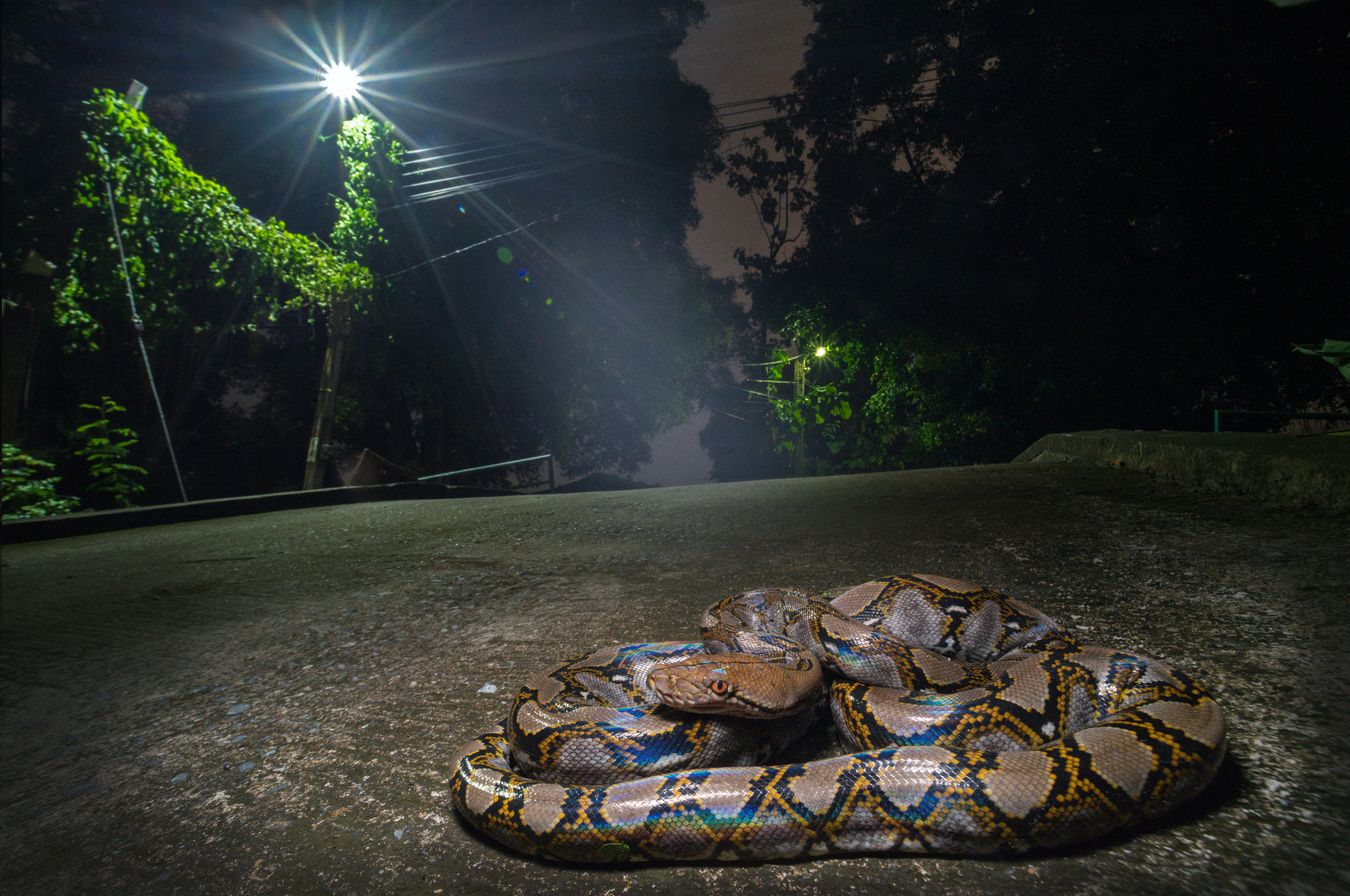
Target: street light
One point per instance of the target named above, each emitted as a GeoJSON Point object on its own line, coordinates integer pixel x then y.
{"type": "Point", "coordinates": [341, 81]}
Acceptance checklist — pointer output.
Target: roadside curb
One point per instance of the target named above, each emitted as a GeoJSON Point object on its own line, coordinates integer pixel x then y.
{"type": "Point", "coordinates": [16, 531]}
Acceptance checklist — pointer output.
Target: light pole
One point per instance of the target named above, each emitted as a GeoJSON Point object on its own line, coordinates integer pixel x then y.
{"type": "Point", "coordinates": [799, 370]}
{"type": "Point", "coordinates": [343, 83]}
{"type": "Point", "coordinates": [339, 327]}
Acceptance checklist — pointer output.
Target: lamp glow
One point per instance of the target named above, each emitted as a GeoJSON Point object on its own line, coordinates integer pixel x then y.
{"type": "Point", "coordinates": [341, 81]}
{"type": "Point", "coordinates": [820, 351]}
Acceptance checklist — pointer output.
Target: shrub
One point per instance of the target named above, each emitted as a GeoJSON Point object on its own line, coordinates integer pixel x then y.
{"type": "Point", "coordinates": [28, 489]}
{"type": "Point", "coordinates": [105, 448]}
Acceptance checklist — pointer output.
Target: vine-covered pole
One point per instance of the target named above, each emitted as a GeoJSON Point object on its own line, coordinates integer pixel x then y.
{"type": "Point", "coordinates": [135, 96]}
{"type": "Point", "coordinates": [339, 327]}
{"type": "Point", "coordinates": [361, 142]}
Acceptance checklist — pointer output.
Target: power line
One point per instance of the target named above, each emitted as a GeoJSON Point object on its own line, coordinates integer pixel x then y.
{"type": "Point", "coordinates": [749, 110]}
{"type": "Point", "coordinates": [475, 155]}
{"type": "Point", "coordinates": [479, 184]}
{"type": "Point", "coordinates": [759, 100]}
{"type": "Point", "coordinates": [425, 149]}
{"type": "Point", "coordinates": [768, 102]}
{"type": "Point", "coordinates": [472, 182]}
{"type": "Point", "coordinates": [751, 125]}
{"type": "Point", "coordinates": [484, 172]}
{"type": "Point", "coordinates": [485, 241]}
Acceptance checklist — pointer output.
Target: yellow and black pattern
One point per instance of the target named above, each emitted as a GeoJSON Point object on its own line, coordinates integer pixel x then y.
{"type": "Point", "coordinates": [949, 617]}
{"type": "Point", "coordinates": [1044, 743]}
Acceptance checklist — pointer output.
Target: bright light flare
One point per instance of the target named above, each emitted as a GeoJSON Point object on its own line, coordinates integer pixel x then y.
{"type": "Point", "coordinates": [341, 81]}
{"type": "Point", "coordinates": [821, 351]}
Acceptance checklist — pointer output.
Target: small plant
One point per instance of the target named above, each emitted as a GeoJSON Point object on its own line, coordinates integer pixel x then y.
{"type": "Point", "coordinates": [105, 448]}
{"type": "Point", "coordinates": [28, 489]}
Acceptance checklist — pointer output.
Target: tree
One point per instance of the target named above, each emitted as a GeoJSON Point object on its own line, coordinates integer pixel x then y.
{"type": "Point", "coordinates": [1037, 219]}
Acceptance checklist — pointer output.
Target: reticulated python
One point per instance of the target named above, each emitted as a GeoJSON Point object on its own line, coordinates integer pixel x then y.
{"type": "Point", "coordinates": [981, 728]}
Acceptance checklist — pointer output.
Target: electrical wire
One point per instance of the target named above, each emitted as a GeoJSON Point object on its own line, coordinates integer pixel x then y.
{"type": "Point", "coordinates": [482, 242]}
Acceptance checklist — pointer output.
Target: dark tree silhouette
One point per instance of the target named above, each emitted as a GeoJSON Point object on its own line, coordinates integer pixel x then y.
{"type": "Point", "coordinates": [1041, 218]}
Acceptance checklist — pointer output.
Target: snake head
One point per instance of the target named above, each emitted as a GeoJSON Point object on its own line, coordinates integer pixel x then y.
{"type": "Point", "coordinates": [737, 685]}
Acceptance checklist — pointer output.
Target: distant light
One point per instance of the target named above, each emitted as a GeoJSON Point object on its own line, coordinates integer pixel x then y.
{"type": "Point", "coordinates": [341, 81]}
{"type": "Point", "coordinates": [821, 351]}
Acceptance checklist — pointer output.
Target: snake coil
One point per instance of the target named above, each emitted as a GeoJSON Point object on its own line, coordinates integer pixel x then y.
{"type": "Point", "coordinates": [980, 727]}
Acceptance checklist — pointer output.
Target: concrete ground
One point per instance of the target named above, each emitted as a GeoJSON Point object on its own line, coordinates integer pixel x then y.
{"type": "Point", "coordinates": [268, 703]}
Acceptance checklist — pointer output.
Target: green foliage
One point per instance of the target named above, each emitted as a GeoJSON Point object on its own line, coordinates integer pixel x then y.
{"type": "Point", "coordinates": [363, 143]}
{"type": "Point", "coordinates": [29, 483]}
{"type": "Point", "coordinates": [183, 234]}
{"type": "Point", "coordinates": [870, 404]}
{"type": "Point", "coordinates": [801, 404]}
{"type": "Point", "coordinates": [28, 489]}
{"type": "Point", "coordinates": [105, 449]}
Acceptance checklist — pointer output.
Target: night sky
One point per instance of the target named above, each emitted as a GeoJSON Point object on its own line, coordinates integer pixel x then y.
{"type": "Point", "coordinates": [765, 37]}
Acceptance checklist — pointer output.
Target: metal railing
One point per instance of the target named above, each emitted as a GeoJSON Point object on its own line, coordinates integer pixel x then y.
{"type": "Point", "coordinates": [1219, 414]}
{"type": "Point", "coordinates": [498, 466]}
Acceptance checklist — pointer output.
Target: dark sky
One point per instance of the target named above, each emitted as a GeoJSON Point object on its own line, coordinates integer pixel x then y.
{"type": "Point", "coordinates": [745, 49]}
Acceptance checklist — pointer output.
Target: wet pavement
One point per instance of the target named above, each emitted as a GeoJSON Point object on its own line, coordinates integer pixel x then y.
{"type": "Point", "coordinates": [268, 703]}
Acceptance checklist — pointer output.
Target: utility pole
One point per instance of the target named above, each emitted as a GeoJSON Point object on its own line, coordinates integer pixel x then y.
{"type": "Point", "coordinates": [799, 393]}
{"type": "Point", "coordinates": [360, 141]}
{"type": "Point", "coordinates": [339, 328]}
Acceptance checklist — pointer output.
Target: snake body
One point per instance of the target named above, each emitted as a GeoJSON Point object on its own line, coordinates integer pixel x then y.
{"type": "Point", "coordinates": [980, 727]}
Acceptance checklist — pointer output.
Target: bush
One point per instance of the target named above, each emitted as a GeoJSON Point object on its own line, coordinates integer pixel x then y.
{"type": "Point", "coordinates": [28, 489]}
{"type": "Point", "coordinates": [105, 449]}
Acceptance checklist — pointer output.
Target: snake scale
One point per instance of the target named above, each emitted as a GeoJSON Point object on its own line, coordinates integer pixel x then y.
{"type": "Point", "coordinates": [980, 727]}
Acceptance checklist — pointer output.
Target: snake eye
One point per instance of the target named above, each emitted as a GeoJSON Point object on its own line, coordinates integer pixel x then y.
{"type": "Point", "coordinates": [719, 686]}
